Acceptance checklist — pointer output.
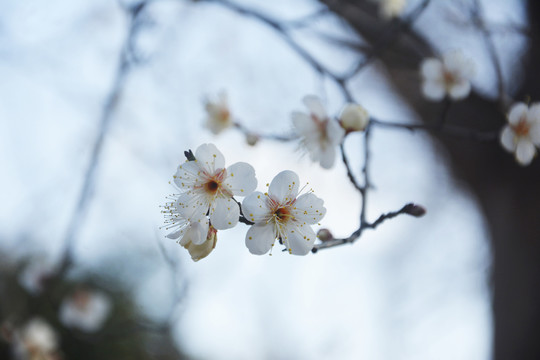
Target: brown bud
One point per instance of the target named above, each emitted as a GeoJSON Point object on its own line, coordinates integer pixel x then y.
{"type": "Point", "coordinates": [325, 235]}
{"type": "Point", "coordinates": [414, 210]}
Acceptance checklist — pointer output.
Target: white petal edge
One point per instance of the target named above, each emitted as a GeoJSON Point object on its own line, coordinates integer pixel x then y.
{"type": "Point", "coordinates": [224, 214]}
{"type": "Point", "coordinates": [255, 208]}
{"type": "Point", "coordinates": [334, 132]}
{"type": "Point", "coordinates": [431, 68]}
{"type": "Point", "coordinates": [516, 113]}
{"type": "Point", "coordinates": [525, 152]}
{"type": "Point", "coordinates": [241, 179]}
{"type": "Point", "coordinates": [209, 158]}
{"type": "Point", "coordinates": [315, 106]}
{"type": "Point", "coordinates": [196, 233]}
{"type": "Point", "coordinates": [309, 208]}
{"type": "Point", "coordinates": [260, 238]}
{"type": "Point", "coordinates": [284, 187]}
{"type": "Point", "coordinates": [300, 240]}
{"type": "Point", "coordinates": [507, 139]}
{"type": "Point", "coordinates": [327, 157]}
{"type": "Point", "coordinates": [433, 90]}
{"type": "Point", "coordinates": [460, 90]}
{"type": "Point", "coordinates": [303, 123]}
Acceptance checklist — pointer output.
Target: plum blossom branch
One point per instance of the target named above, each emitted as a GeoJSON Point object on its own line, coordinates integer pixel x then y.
{"type": "Point", "coordinates": [409, 209]}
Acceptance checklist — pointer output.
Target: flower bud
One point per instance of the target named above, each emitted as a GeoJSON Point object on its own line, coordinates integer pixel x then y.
{"type": "Point", "coordinates": [252, 139]}
{"type": "Point", "coordinates": [325, 235]}
{"type": "Point", "coordinates": [414, 210]}
{"type": "Point", "coordinates": [354, 118]}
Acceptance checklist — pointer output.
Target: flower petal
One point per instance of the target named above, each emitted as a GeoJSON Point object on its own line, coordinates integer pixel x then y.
{"type": "Point", "coordinates": [241, 179]}
{"type": "Point", "coordinates": [209, 158]}
{"type": "Point", "coordinates": [517, 112]}
{"type": "Point", "coordinates": [460, 89]}
{"type": "Point", "coordinates": [192, 206]}
{"type": "Point", "coordinates": [315, 106]}
{"type": "Point", "coordinates": [195, 233]}
{"type": "Point", "coordinates": [187, 175]}
{"type": "Point", "coordinates": [299, 239]}
{"type": "Point", "coordinates": [433, 90]}
{"type": "Point", "coordinates": [525, 152]}
{"type": "Point", "coordinates": [507, 139]}
{"type": "Point", "coordinates": [431, 69]}
{"type": "Point", "coordinates": [225, 213]}
{"type": "Point", "coordinates": [334, 132]}
{"type": "Point", "coordinates": [327, 157]}
{"type": "Point", "coordinates": [533, 115]}
{"type": "Point", "coordinates": [534, 133]}
{"type": "Point", "coordinates": [255, 208]}
{"type": "Point", "coordinates": [303, 123]}
{"type": "Point", "coordinates": [284, 187]}
{"type": "Point", "coordinates": [260, 238]}
{"type": "Point", "coordinates": [309, 209]}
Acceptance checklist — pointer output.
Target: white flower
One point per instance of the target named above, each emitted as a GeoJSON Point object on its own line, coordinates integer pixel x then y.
{"type": "Point", "coordinates": [207, 191]}
{"type": "Point", "coordinates": [35, 274]}
{"type": "Point", "coordinates": [354, 117]}
{"type": "Point", "coordinates": [218, 114]}
{"type": "Point", "coordinates": [192, 241]}
{"type": "Point", "coordinates": [522, 133]}
{"type": "Point", "coordinates": [389, 9]}
{"type": "Point", "coordinates": [85, 310]}
{"type": "Point", "coordinates": [451, 77]}
{"type": "Point", "coordinates": [280, 214]}
{"type": "Point", "coordinates": [320, 135]}
{"type": "Point", "coordinates": [36, 340]}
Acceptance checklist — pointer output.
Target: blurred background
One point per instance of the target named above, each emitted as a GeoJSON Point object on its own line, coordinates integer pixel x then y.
{"type": "Point", "coordinates": [99, 100]}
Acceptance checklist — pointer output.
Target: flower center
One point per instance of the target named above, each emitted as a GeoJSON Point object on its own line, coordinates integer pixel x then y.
{"type": "Point", "coordinates": [211, 187]}
{"type": "Point", "coordinates": [522, 128]}
{"type": "Point", "coordinates": [283, 214]}
{"type": "Point", "coordinates": [224, 115]}
{"type": "Point", "coordinates": [81, 299]}
{"type": "Point", "coordinates": [449, 78]}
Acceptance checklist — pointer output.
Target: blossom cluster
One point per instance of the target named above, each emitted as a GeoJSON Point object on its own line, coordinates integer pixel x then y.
{"type": "Point", "coordinates": [206, 203]}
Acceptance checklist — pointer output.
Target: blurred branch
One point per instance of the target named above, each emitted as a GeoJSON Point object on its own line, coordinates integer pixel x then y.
{"type": "Point", "coordinates": [125, 64]}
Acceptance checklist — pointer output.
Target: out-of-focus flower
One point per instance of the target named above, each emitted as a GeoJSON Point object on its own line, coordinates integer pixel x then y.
{"type": "Point", "coordinates": [451, 76]}
{"type": "Point", "coordinates": [37, 340]}
{"type": "Point", "coordinates": [522, 134]}
{"type": "Point", "coordinates": [354, 118]}
{"type": "Point", "coordinates": [280, 214]}
{"type": "Point", "coordinates": [218, 114]}
{"type": "Point", "coordinates": [319, 134]}
{"type": "Point", "coordinates": [192, 237]}
{"type": "Point", "coordinates": [390, 9]}
{"type": "Point", "coordinates": [207, 191]}
{"type": "Point", "coordinates": [85, 310]}
{"type": "Point", "coordinates": [35, 274]}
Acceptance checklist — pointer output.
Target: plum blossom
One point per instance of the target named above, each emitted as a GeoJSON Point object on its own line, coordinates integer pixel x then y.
{"type": "Point", "coordinates": [192, 241]}
{"type": "Point", "coordinates": [449, 76]}
{"type": "Point", "coordinates": [36, 340]}
{"type": "Point", "coordinates": [319, 134]}
{"type": "Point", "coordinates": [218, 114]}
{"type": "Point", "coordinates": [207, 190]}
{"type": "Point", "coordinates": [354, 117]}
{"type": "Point", "coordinates": [522, 134]}
{"type": "Point", "coordinates": [85, 310]}
{"type": "Point", "coordinates": [282, 214]}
